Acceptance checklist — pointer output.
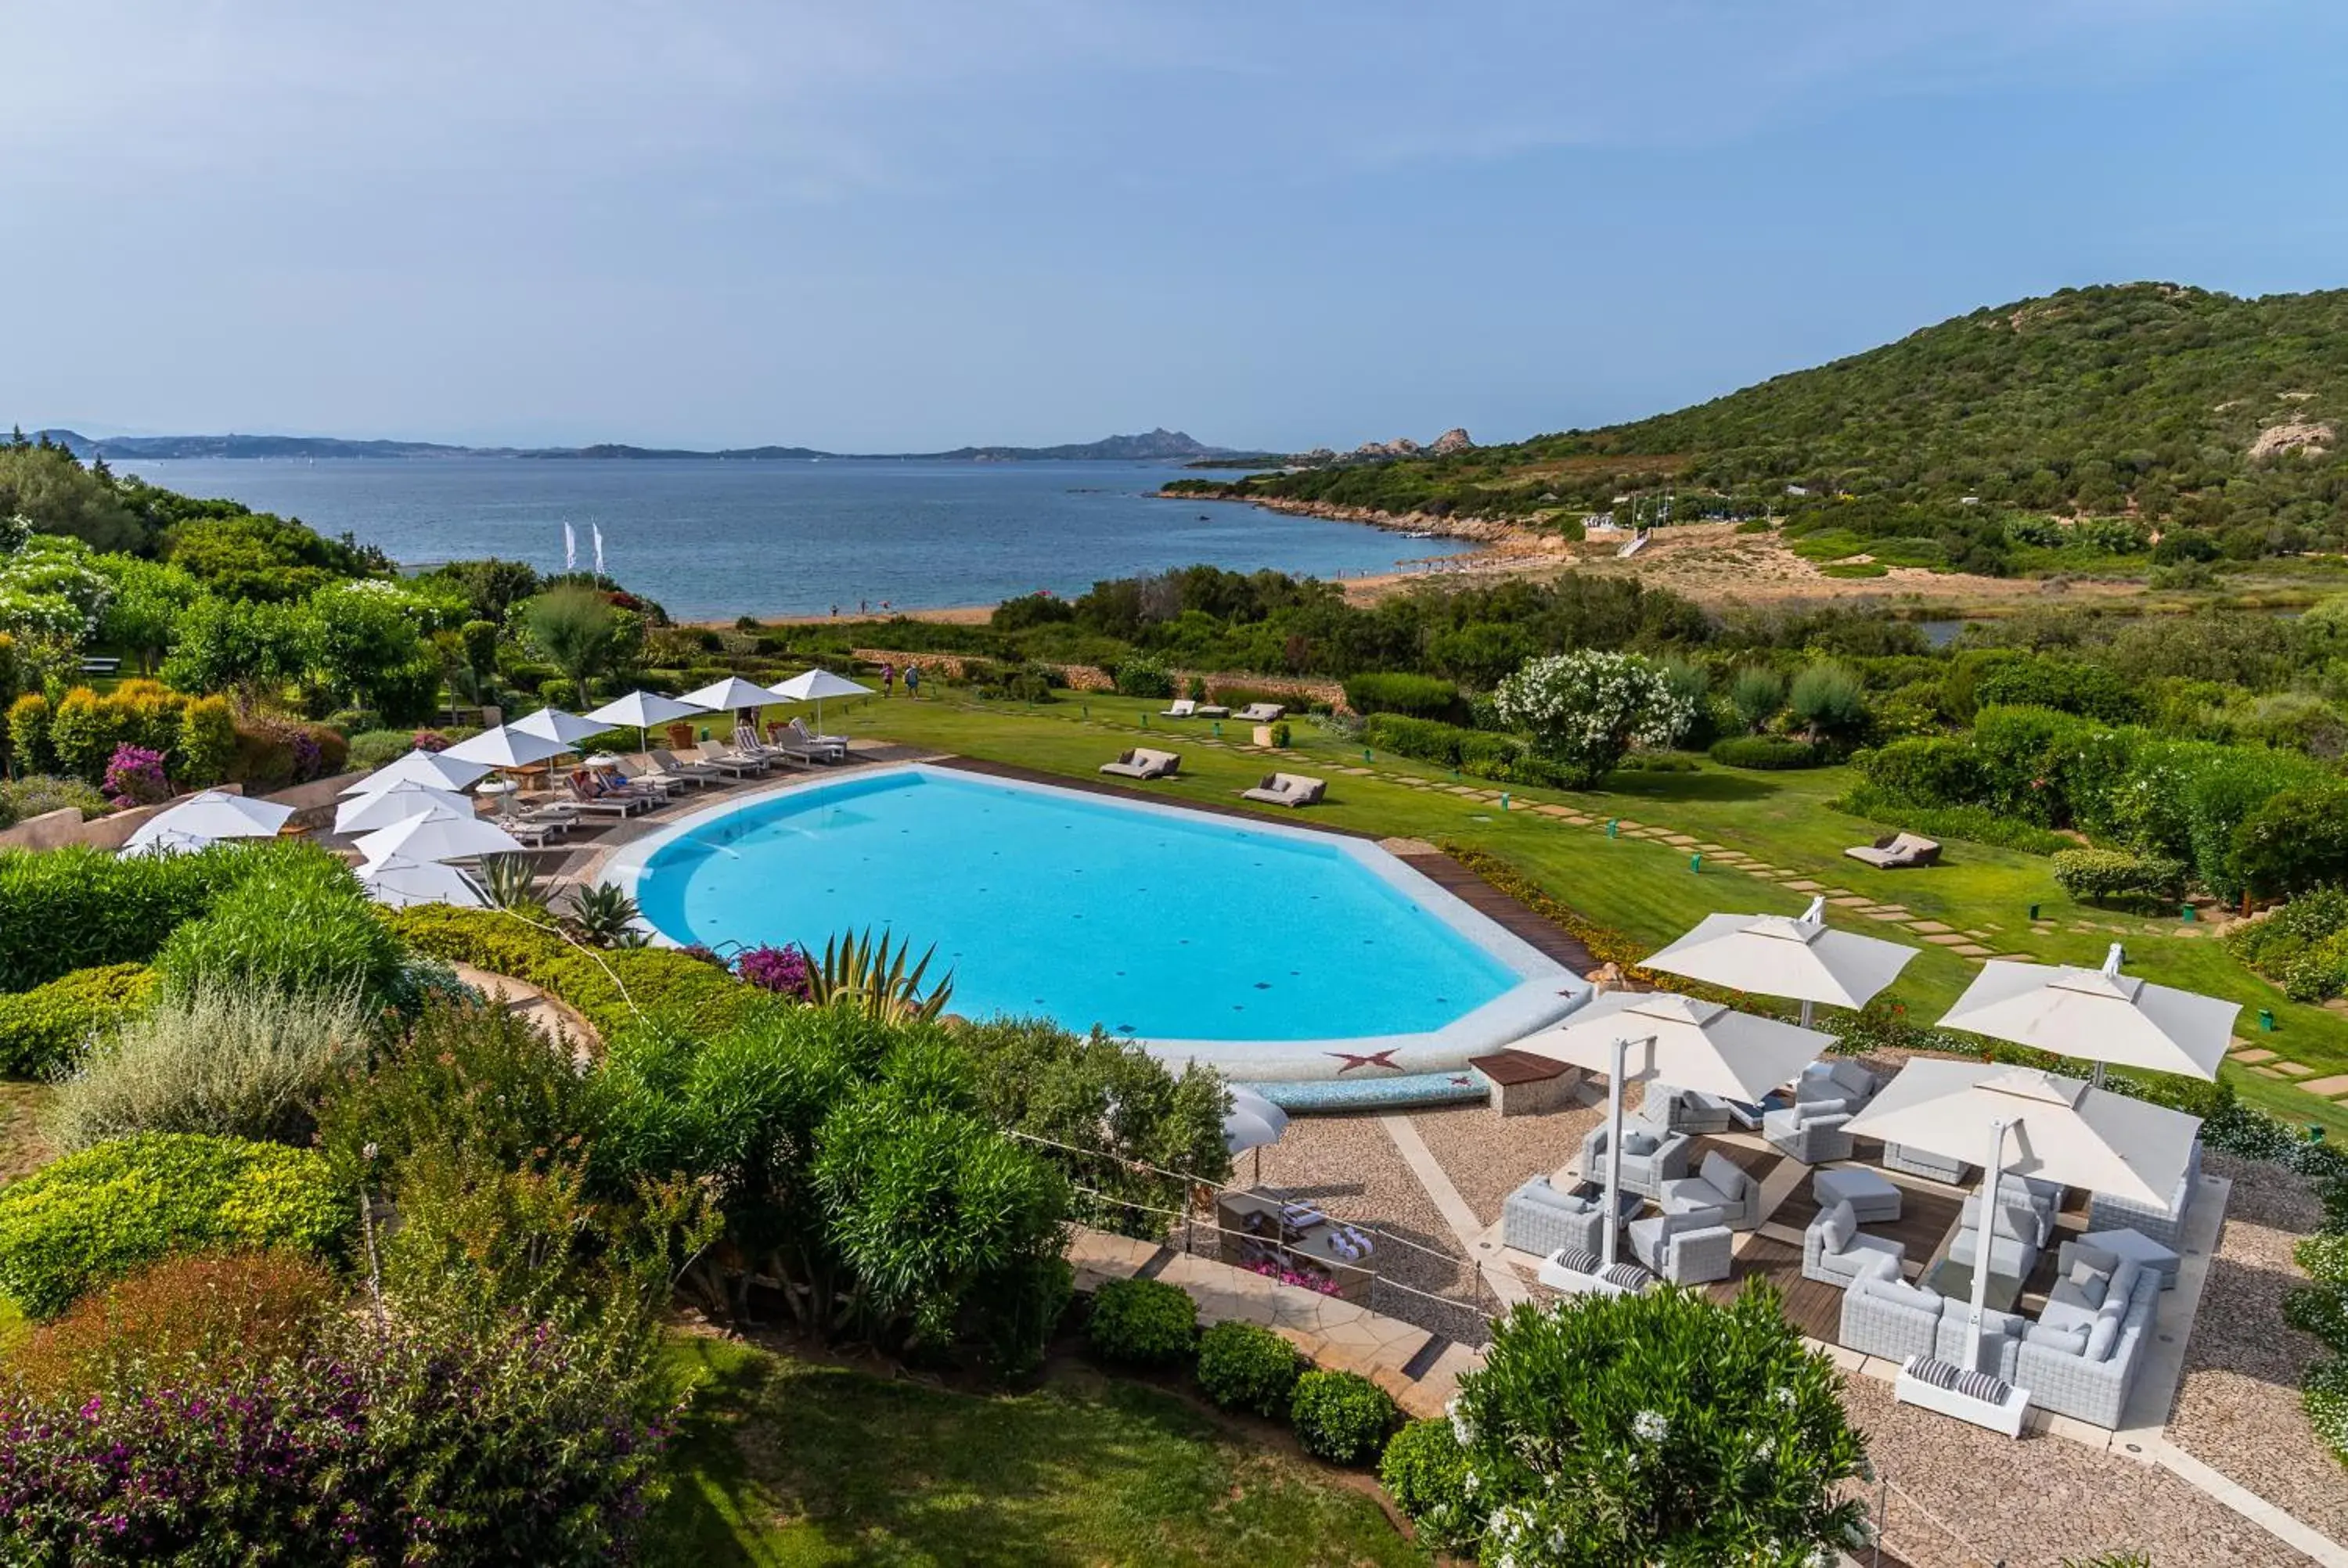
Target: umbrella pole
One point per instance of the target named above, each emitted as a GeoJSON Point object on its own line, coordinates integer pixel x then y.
{"type": "Point", "coordinates": [1613, 1147]}
{"type": "Point", "coordinates": [1807, 1006]}
{"type": "Point", "coordinates": [1991, 1171]}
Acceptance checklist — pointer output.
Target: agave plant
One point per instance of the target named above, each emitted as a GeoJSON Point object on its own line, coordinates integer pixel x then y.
{"type": "Point", "coordinates": [871, 976]}
{"type": "Point", "coordinates": [511, 881]}
{"type": "Point", "coordinates": [604, 914]}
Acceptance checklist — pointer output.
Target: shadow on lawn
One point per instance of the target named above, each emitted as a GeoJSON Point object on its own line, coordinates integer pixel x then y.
{"type": "Point", "coordinates": [1709, 785]}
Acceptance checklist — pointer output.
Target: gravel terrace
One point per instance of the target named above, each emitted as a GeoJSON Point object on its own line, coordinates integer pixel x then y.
{"type": "Point", "coordinates": [2238, 1409]}
{"type": "Point", "coordinates": [2040, 1500]}
{"type": "Point", "coordinates": [1488, 1156]}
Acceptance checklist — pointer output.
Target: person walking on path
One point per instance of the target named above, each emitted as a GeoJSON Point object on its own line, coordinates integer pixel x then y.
{"type": "Point", "coordinates": [888, 680]}
{"type": "Point", "coordinates": [913, 682]}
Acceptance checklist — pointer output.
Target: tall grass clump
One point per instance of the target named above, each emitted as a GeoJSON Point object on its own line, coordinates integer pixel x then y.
{"type": "Point", "coordinates": [229, 1062]}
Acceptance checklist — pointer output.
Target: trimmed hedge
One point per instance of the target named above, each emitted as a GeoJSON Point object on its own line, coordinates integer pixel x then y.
{"type": "Point", "coordinates": [1417, 696]}
{"type": "Point", "coordinates": [78, 907]}
{"type": "Point", "coordinates": [46, 1027]}
{"type": "Point", "coordinates": [1424, 1471]}
{"type": "Point", "coordinates": [1246, 1367]}
{"type": "Point", "coordinates": [1768, 752]}
{"type": "Point", "coordinates": [1484, 754]}
{"type": "Point", "coordinates": [1342, 1416]}
{"type": "Point", "coordinates": [2097, 875]}
{"type": "Point", "coordinates": [94, 1216]}
{"type": "Point", "coordinates": [1142, 1323]}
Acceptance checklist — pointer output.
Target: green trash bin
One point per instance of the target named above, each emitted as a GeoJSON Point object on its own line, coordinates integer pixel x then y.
{"type": "Point", "coordinates": [2266, 1020]}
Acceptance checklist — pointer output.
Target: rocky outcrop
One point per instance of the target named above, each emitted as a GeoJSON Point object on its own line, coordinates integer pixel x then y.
{"type": "Point", "coordinates": [1452, 440]}
{"type": "Point", "coordinates": [1400, 447]}
{"type": "Point", "coordinates": [2292, 435]}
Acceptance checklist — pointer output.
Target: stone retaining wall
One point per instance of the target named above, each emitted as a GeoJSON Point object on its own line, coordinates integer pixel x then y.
{"type": "Point", "coordinates": [313, 803]}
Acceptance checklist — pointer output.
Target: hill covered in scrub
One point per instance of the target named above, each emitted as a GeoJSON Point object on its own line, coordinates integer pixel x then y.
{"type": "Point", "coordinates": [2173, 409]}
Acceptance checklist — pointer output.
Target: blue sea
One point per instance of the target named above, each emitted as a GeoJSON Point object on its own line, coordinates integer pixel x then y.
{"type": "Point", "coordinates": [713, 539]}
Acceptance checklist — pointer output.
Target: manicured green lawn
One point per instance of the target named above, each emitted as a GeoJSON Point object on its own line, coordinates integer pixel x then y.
{"type": "Point", "coordinates": [1646, 890]}
{"type": "Point", "coordinates": [782, 1463]}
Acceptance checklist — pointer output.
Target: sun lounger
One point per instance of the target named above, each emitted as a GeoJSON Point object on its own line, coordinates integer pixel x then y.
{"type": "Point", "coordinates": [724, 758]}
{"type": "Point", "coordinates": [1210, 710]}
{"type": "Point", "coordinates": [748, 743]}
{"type": "Point", "coordinates": [1261, 713]}
{"type": "Point", "coordinates": [797, 741]}
{"type": "Point", "coordinates": [1896, 852]}
{"type": "Point", "coordinates": [585, 796]}
{"type": "Point", "coordinates": [1181, 708]}
{"type": "Point", "coordinates": [1141, 763]}
{"type": "Point", "coordinates": [650, 780]}
{"type": "Point", "coordinates": [667, 765]}
{"type": "Point", "coordinates": [1287, 789]}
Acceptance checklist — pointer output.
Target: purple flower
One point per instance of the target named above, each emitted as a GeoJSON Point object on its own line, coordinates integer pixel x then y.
{"type": "Point", "coordinates": [134, 776]}
{"type": "Point", "coordinates": [783, 970]}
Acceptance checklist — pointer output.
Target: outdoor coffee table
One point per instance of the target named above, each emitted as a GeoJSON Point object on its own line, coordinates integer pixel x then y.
{"type": "Point", "coordinates": [1955, 1281]}
{"type": "Point", "coordinates": [2135, 1245]}
{"type": "Point", "coordinates": [1873, 1200]}
{"type": "Point", "coordinates": [1627, 1204]}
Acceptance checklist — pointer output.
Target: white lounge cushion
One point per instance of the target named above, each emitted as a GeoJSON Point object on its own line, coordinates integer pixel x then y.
{"type": "Point", "coordinates": [1841, 1224]}
{"type": "Point", "coordinates": [2071, 1338]}
{"type": "Point", "coordinates": [2090, 1282]}
{"type": "Point", "coordinates": [1722, 1174]}
{"type": "Point", "coordinates": [2102, 1336]}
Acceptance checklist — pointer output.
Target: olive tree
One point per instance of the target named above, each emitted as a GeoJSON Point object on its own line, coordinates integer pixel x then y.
{"type": "Point", "coordinates": [1586, 709]}
{"type": "Point", "coordinates": [1660, 1429]}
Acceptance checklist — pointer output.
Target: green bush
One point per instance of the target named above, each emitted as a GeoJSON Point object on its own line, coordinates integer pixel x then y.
{"type": "Point", "coordinates": [1342, 1416]}
{"type": "Point", "coordinates": [79, 908]}
{"type": "Point", "coordinates": [1757, 695]}
{"type": "Point", "coordinates": [2067, 686]}
{"type": "Point", "coordinates": [1829, 700]}
{"type": "Point", "coordinates": [1768, 752]}
{"type": "Point", "coordinates": [1142, 1323]}
{"type": "Point", "coordinates": [94, 1216]}
{"type": "Point", "coordinates": [1417, 696]}
{"type": "Point", "coordinates": [46, 1027]}
{"type": "Point", "coordinates": [301, 925]}
{"type": "Point", "coordinates": [1246, 1367]}
{"type": "Point", "coordinates": [207, 741]}
{"type": "Point", "coordinates": [42, 794]}
{"type": "Point", "coordinates": [1424, 1471]}
{"type": "Point", "coordinates": [1976, 823]}
{"type": "Point", "coordinates": [1928, 771]}
{"type": "Point", "coordinates": [372, 749]}
{"type": "Point", "coordinates": [1141, 676]}
{"type": "Point", "coordinates": [2270, 945]}
{"type": "Point", "coordinates": [2294, 840]}
{"type": "Point", "coordinates": [2099, 875]}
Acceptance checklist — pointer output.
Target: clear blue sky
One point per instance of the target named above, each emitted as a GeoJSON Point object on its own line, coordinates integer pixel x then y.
{"type": "Point", "coordinates": [888, 225]}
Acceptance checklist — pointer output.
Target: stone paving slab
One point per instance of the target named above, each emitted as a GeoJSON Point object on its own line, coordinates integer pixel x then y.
{"type": "Point", "coordinates": [2249, 1054]}
{"type": "Point", "coordinates": [2327, 1087]}
{"type": "Point", "coordinates": [1931, 929]}
{"type": "Point", "coordinates": [2293, 1069]}
{"type": "Point", "coordinates": [1098, 1257]}
{"type": "Point", "coordinates": [1970, 950]}
{"type": "Point", "coordinates": [1803, 885]}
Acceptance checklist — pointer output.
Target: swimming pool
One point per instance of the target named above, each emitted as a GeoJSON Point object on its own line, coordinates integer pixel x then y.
{"type": "Point", "coordinates": [1271, 950]}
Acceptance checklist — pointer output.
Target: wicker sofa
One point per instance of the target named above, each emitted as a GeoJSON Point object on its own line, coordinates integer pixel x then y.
{"type": "Point", "coordinates": [1815, 1129]}
{"type": "Point", "coordinates": [1652, 1155]}
{"type": "Point", "coordinates": [1539, 1219]}
{"type": "Point", "coordinates": [1720, 1184]}
{"type": "Point", "coordinates": [1923, 1162]}
{"type": "Point", "coordinates": [2165, 1222]}
{"type": "Point", "coordinates": [1835, 1251]}
{"type": "Point", "coordinates": [1883, 1317]}
{"type": "Point", "coordinates": [2080, 1359]}
{"type": "Point", "coordinates": [1685, 1110]}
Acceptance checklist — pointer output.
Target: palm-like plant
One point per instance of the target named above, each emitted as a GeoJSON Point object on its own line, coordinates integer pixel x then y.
{"type": "Point", "coordinates": [872, 976]}
{"type": "Point", "coordinates": [511, 881]}
{"type": "Point", "coordinates": [603, 915]}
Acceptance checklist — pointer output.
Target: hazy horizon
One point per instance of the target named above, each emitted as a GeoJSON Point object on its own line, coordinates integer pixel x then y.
{"type": "Point", "coordinates": [909, 227]}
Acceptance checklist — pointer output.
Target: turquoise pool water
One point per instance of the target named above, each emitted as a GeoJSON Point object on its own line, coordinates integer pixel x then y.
{"type": "Point", "coordinates": [1152, 922]}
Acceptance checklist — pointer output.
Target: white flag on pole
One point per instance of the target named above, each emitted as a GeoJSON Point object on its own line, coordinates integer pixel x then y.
{"type": "Point", "coordinates": [570, 549]}
{"type": "Point", "coordinates": [598, 529]}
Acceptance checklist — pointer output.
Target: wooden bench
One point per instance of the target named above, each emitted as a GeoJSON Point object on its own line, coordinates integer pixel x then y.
{"type": "Point", "coordinates": [1524, 1084]}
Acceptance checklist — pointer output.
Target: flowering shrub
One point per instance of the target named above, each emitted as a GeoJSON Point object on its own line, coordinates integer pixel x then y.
{"type": "Point", "coordinates": [783, 970]}
{"type": "Point", "coordinates": [1302, 1278]}
{"type": "Point", "coordinates": [134, 776]}
{"type": "Point", "coordinates": [1425, 1471]}
{"type": "Point", "coordinates": [430, 740]}
{"type": "Point", "coordinates": [1586, 709]}
{"type": "Point", "coordinates": [1657, 1428]}
{"type": "Point", "coordinates": [399, 1445]}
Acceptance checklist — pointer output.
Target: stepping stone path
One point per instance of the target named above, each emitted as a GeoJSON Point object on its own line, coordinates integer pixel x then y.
{"type": "Point", "coordinates": [1931, 929]}
{"type": "Point", "coordinates": [1805, 886]}
{"type": "Point", "coordinates": [1970, 950]}
{"type": "Point", "coordinates": [1946, 939]}
{"type": "Point", "coordinates": [2336, 1084]}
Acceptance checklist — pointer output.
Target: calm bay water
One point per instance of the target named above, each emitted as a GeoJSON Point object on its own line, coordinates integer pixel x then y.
{"type": "Point", "coordinates": [712, 539]}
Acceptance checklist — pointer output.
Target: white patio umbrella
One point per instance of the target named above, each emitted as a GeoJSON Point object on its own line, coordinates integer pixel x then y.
{"type": "Point", "coordinates": [2063, 1130]}
{"type": "Point", "coordinates": [365, 813]}
{"type": "Point", "coordinates": [729, 695]}
{"type": "Point", "coordinates": [644, 709]}
{"type": "Point", "coordinates": [206, 819]}
{"type": "Point", "coordinates": [398, 882]}
{"type": "Point", "coordinates": [435, 768]}
{"type": "Point", "coordinates": [2099, 1016]}
{"type": "Point", "coordinates": [1776, 956]}
{"type": "Point", "coordinates": [505, 747]}
{"type": "Point", "coordinates": [554, 725]}
{"type": "Point", "coordinates": [1701, 1046]}
{"type": "Point", "coordinates": [438, 833]}
{"type": "Point", "coordinates": [814, 686]}
{"type": "Point", "coordinates": [1253, 1121]}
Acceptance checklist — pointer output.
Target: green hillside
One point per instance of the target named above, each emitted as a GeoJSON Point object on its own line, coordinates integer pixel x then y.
{"type": "Point", "coordinates": [2146, 401]}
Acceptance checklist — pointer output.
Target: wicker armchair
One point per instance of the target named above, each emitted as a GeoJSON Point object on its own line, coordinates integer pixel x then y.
{"type": "Point", "coordinates": [1684, 1249]}
{"type": "Point", "coordinates": [1644, 1171]}
{"type": "Point", "coordinates": [1539, 1219]}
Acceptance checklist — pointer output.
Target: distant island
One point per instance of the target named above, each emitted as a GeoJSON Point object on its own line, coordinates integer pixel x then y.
{"type": "Point", "coordinates": [1161, 445]}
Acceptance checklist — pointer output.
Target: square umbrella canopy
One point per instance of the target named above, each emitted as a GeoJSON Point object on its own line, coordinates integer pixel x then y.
{"type": "Point", "coordinates": [731, 695]}
{"type": "Point", "coordinates": [505, 747]}
{"type": "Point", "coordinates": [2098, 1015]}
{"type": "Point", "coordinates": [398, 882]}
{"type": "Point", "coordinates": [2063, 1131]}
{"type": "Point", "coordinates": [437, 769]}
{"type": "Point", "coordinates": [438, 833]}
{"type": "Point", "coordinates": [554, 725]}
{"type": "Point", "coordinates": [1702, 1046]}
{"type": "Point", "coordinates": [1775, 955]}
{"type": "Point", "coordinates": [641, 711]}
{"type": "Point", "coordinates": [365, 813]}
{"type": "Point", "coordinates": [206, 817]}
{"type": "Point", "coordinates": [816, 685]}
